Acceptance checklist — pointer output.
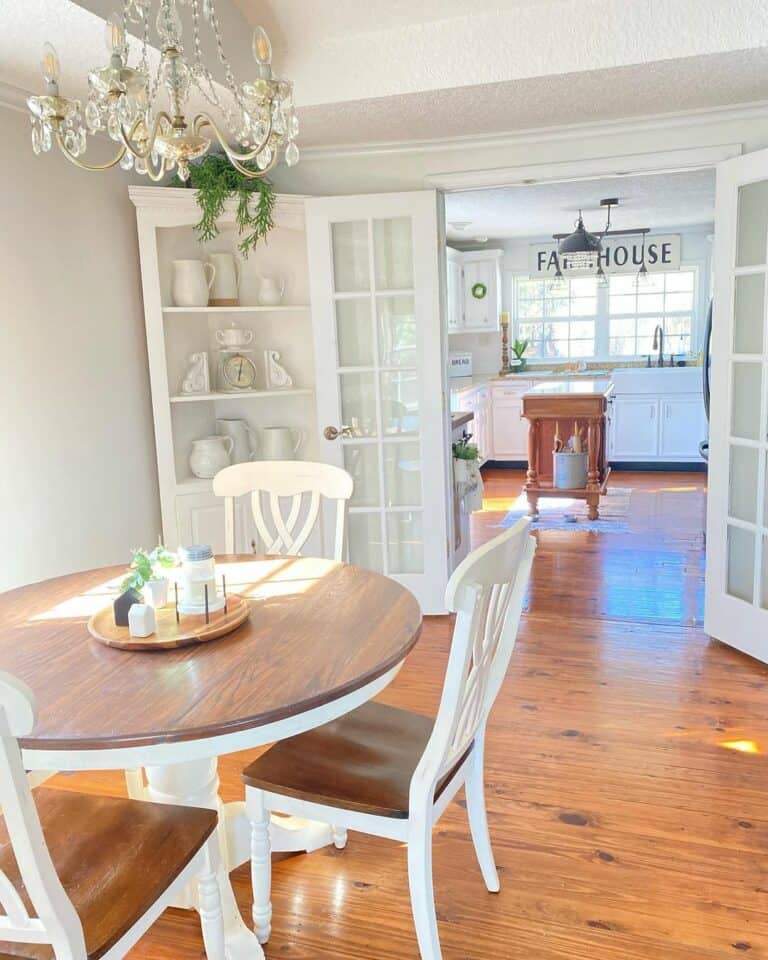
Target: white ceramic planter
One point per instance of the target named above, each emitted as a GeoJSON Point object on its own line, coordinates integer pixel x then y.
{"type": "Point", "coordinates": [156, 592]}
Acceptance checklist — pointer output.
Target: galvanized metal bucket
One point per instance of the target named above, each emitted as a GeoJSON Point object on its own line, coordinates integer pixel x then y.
{"type": "Point", "coordinates": [570, 471]}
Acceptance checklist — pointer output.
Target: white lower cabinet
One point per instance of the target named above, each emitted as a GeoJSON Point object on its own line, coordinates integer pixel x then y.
{"type": "Point", "coordinates": [200, 519]}
{"type": "Point", "coordinates": [657, 429]}
{"type": "Point", "coordinates": [510, 430]}
{"type": "Point", "coordinates": [635, 425]}
{"type": "Point", "coordinates": [682, 426]}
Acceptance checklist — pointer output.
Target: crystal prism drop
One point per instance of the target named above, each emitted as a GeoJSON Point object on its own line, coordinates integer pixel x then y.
{"type": "Point", "coordinates": [126, 161]}
{"type": "Point", "coordinates": [113, 127]}
{"type": "Point", "coordinates": [46, 140]}
{"type": "Point", "coordinates": [140, 165]}
{"type": "Point", "coordinates": [291, 154]}
{"type": "Point", "coordinates": [37, 144]}
{"type": "Point", "coordinates": [264, 158]}
{"type": "Point", "coordinates": [92, 117]}
{"type": "Point", "coordinates": [125, 111]}
{"type": "Point", "coordinates": [81, 141]}
{"type": "Point", "coordinates": [293, 126]}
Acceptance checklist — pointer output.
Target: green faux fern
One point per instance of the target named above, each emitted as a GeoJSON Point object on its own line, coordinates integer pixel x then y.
{"type": "Point", "coordinates": [216, 180]}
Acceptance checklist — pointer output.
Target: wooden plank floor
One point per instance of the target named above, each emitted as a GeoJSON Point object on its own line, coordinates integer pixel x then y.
{"type": "Point", "coordinates": [624, 824]}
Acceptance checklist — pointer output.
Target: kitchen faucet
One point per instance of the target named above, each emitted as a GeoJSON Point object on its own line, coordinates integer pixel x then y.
{"type": "Point", "coordinates": [658, 343]}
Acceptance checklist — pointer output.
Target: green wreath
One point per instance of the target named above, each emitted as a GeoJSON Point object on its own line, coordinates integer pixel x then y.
{"type": "Point", "coordinates": [479, 291]}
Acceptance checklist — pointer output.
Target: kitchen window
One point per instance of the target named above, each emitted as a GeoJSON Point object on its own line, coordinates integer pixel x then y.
{"type": "Point", "coordinates": [583, 321]}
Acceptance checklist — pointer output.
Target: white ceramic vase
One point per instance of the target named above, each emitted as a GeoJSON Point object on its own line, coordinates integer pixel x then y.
{"type": "Point", "coordinates": [209, 455]}
{"type": "Point", "coordinates": [244, 439]}
{"type": "Point", "coordinates": [271, 290]}
{"type": "Point", "coordinates": [156, 592]}
{"type": "Point", "coordinates": [280, 443]}
{"type": "Point", "coordinates": [225, 291]}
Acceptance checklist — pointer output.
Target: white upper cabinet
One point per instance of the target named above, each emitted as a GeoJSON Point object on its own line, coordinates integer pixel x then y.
{"type": "Point", "coordinates": [474, 290]}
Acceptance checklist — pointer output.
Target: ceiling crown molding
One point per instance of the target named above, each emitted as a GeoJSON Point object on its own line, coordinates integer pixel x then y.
{"type": "Point", "coordinates": [13, 98]}
{"type": "Point", "coordinates": [595, 128]}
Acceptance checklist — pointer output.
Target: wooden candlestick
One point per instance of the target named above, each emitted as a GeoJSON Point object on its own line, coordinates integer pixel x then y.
{"type": "Point", "coordinates": [505, 367]}
{"type": "Point", "coordinates": [176, 596]}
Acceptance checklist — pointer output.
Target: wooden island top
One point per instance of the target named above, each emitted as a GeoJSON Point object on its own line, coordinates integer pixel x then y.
{"type": "Point", "coordinates": [572, 404]}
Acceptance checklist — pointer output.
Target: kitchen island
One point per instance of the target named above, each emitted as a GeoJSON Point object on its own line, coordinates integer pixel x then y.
{"type": "Point", "coordinates": [573, 405]}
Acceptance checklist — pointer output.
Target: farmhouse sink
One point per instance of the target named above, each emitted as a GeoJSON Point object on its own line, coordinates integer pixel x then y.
{"type": "Point", "coordinates": [657, 380]}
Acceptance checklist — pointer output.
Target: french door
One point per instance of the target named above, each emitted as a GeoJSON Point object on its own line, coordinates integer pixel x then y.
{"type": "Point", "coordinates": [737, 516]}
{"type": "Point", "coordinates": [380, 365]}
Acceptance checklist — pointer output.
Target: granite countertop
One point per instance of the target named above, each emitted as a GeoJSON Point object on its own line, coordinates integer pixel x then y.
{"type": "Point", "coordinates": [563, 388]}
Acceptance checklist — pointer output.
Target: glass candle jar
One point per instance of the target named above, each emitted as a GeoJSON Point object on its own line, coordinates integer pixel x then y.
{"type": "Point", "coordinates": [198, 571]}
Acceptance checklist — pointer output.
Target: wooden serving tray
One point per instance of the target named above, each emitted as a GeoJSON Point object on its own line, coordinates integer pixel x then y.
{"type": "Point", "coordinates": [190, 629]}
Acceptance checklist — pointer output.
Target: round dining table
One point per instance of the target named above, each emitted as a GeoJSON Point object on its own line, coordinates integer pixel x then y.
{"type": "Point", "coordinates": [321, 639]}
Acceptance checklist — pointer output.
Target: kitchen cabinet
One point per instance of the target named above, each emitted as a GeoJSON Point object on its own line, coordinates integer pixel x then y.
{"type": "Point", "coordinates": [681, 427]}
{"type": "Point", "coordinates": [634, 428]}
{"type": "Point", "coordinates": [510, 428]}
{"type": "Point", "coordinates": [477, 400]}
{"type": "Point", "coordinates": [467, 313]}
{"type": "Point", "coordinates": [455, 302]}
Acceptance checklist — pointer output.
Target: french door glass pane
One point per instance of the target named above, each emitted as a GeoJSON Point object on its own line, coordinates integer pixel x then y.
{"type": "Point", "coordinates": [358, 403]}
{"type": "Point", "coordinates": [354, 332]}
{"type": "Point", "coordinates": [397, 331]}
{"type": "Point", "coordinates": [746, 400]}
{"type": "Point", "coordinates": [361, 461]}
{"type": "Point", "coordinates": [743, 483]}
{"type": "Point", "coordinates": [752, 224]}
{"type": "Point", "coordinates": [400, 402]}
{"type": "Point", "coordinates": [764, 576]}
{"type": "Point", "coordinates": [365, 546]}
{"type": "Point", "coordinates": [402, 474]}
{"type": "Point", "coordinates": [749, 313]}
{"type": "Point", "coordinates": [393, 253]}
{"type": "Point", "coordinates": [351, 263]}
{"type": "Point", "coordinates": [740, 563]}
{"type": "Point", "coordinates": [405, 545]}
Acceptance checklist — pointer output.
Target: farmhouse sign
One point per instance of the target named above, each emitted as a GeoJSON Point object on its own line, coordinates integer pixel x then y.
{"type": "Point", "coordinates": [619, 255]}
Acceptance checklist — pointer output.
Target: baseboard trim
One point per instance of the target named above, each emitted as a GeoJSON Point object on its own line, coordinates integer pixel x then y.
{"type": "Point", "coordinates": [677, 466]}
{"type": "Point", "coordinates": [670, 466]}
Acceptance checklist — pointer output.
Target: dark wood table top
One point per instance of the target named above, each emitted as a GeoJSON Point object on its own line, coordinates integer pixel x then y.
{"type": "Point", "coordinates": [318, 630]}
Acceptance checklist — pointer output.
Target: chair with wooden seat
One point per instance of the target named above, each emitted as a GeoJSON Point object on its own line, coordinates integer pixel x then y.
{"type": "Point", "coordinates": [390, 772]}
{"type": "Point", "coordinates": [285, 528]}
{"type": "Point", "coordinates": [83, 877]}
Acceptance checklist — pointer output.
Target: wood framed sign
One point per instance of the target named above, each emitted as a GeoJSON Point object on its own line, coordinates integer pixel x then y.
{"type": "Point", "coordinates": [619, 255]}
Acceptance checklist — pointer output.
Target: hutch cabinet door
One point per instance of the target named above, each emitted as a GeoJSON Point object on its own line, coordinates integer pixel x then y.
{"type": "Point", "coordinates": [737, 505]}
{"type": "Point", "coordinates": [381, 378]}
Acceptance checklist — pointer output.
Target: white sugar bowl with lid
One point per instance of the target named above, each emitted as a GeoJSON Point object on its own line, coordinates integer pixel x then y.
{"type": "Point", "coordinates": [198, 572]}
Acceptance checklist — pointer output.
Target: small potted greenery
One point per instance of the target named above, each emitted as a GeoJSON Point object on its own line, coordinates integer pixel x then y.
{"type": "Point", "coordinates": [147, 574]}
{"type": "Point", "coordinates": [465, 455]}
{"type": "Point", "coordinates": [518, 348]}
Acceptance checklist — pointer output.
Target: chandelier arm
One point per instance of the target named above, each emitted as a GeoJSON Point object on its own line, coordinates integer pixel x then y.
{"type": "Point", "coordinates": [82, 163]}
{"type": "Point", "coordinates": [127, 137]}
{"type": "Point", "coordinates": [253, 174]}
{"type": "Point", "coordinates": [159, 174]}
{"type": "Point", "coordinates": [204, 120]}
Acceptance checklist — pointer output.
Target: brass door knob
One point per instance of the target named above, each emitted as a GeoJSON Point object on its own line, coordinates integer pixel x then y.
{"type": "Point", "coordinates": [333, 433]}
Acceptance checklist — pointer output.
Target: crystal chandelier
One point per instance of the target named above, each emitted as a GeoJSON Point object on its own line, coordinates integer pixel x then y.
{"type": "Point", "coordinates": [258, 114]}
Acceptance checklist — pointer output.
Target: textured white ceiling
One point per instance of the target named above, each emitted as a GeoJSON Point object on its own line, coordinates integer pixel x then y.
{"type": "Point", "coordinates": [398, 70]}
{"type": "Point", "coordinates": [639, 90]}
{"type": "Point", "coordinates": [539, 210]}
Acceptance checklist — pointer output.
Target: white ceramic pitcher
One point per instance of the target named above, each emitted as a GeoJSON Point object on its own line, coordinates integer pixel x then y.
{"type": "Point", "coordinates": [190, 284]}
{"type": "Point", "coordinates": [209, 455]}
{"type": "Point", "coordinates": [280, 443]}
{"type": "Point", "coordinates": [271, 290]}
{"type": "Point", "coordinates": [244, 439]}
{"type": "Point", "coordinates": [226, 282]}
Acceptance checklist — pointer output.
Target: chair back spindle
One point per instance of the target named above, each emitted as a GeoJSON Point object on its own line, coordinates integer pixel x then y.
{"type": "Point", "coordinates": [486, 591]}
{"type": "Point", "coordinates": [286, 497]}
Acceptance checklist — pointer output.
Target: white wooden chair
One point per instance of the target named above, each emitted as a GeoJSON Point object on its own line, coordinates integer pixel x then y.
{"type": "Point", "coordinates": [83, 876]}
{"type": "Point", "coordinates": [391, 773]}
{"type": "Point", "coordinates": [303, 483]}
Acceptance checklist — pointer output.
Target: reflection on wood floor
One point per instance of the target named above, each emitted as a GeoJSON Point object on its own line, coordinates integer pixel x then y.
{"type": "Point", "coordinates": [626, 776]}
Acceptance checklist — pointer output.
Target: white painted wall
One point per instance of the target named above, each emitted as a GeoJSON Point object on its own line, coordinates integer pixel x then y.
{"type": "Point", "coordinates": [78, 482]}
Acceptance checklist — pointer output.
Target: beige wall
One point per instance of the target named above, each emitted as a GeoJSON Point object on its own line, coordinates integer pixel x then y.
{"type": "Point", "coordinates": [78, 483]}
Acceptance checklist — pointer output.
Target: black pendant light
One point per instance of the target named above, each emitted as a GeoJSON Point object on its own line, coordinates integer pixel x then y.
{"type": "Point", "coordinates": [581, 249]}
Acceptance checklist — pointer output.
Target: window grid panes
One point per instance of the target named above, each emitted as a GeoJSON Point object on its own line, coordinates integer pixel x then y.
{"type": "Point", "coordinates": [558, 324]}
{"type": "Point", "coordinates": [580, 320]}
{"type": "Point", "coordinates": [666, 300]}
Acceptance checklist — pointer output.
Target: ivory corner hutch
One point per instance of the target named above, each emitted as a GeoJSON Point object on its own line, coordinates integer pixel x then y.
{"type": "Point", "coordinates": [165, 219]}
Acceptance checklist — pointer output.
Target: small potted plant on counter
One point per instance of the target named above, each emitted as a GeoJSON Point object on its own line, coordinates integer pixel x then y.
{"type": "Point", "coordinates": [147, 574]}
{"type": "Point", "coordinates": [518, 348]}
